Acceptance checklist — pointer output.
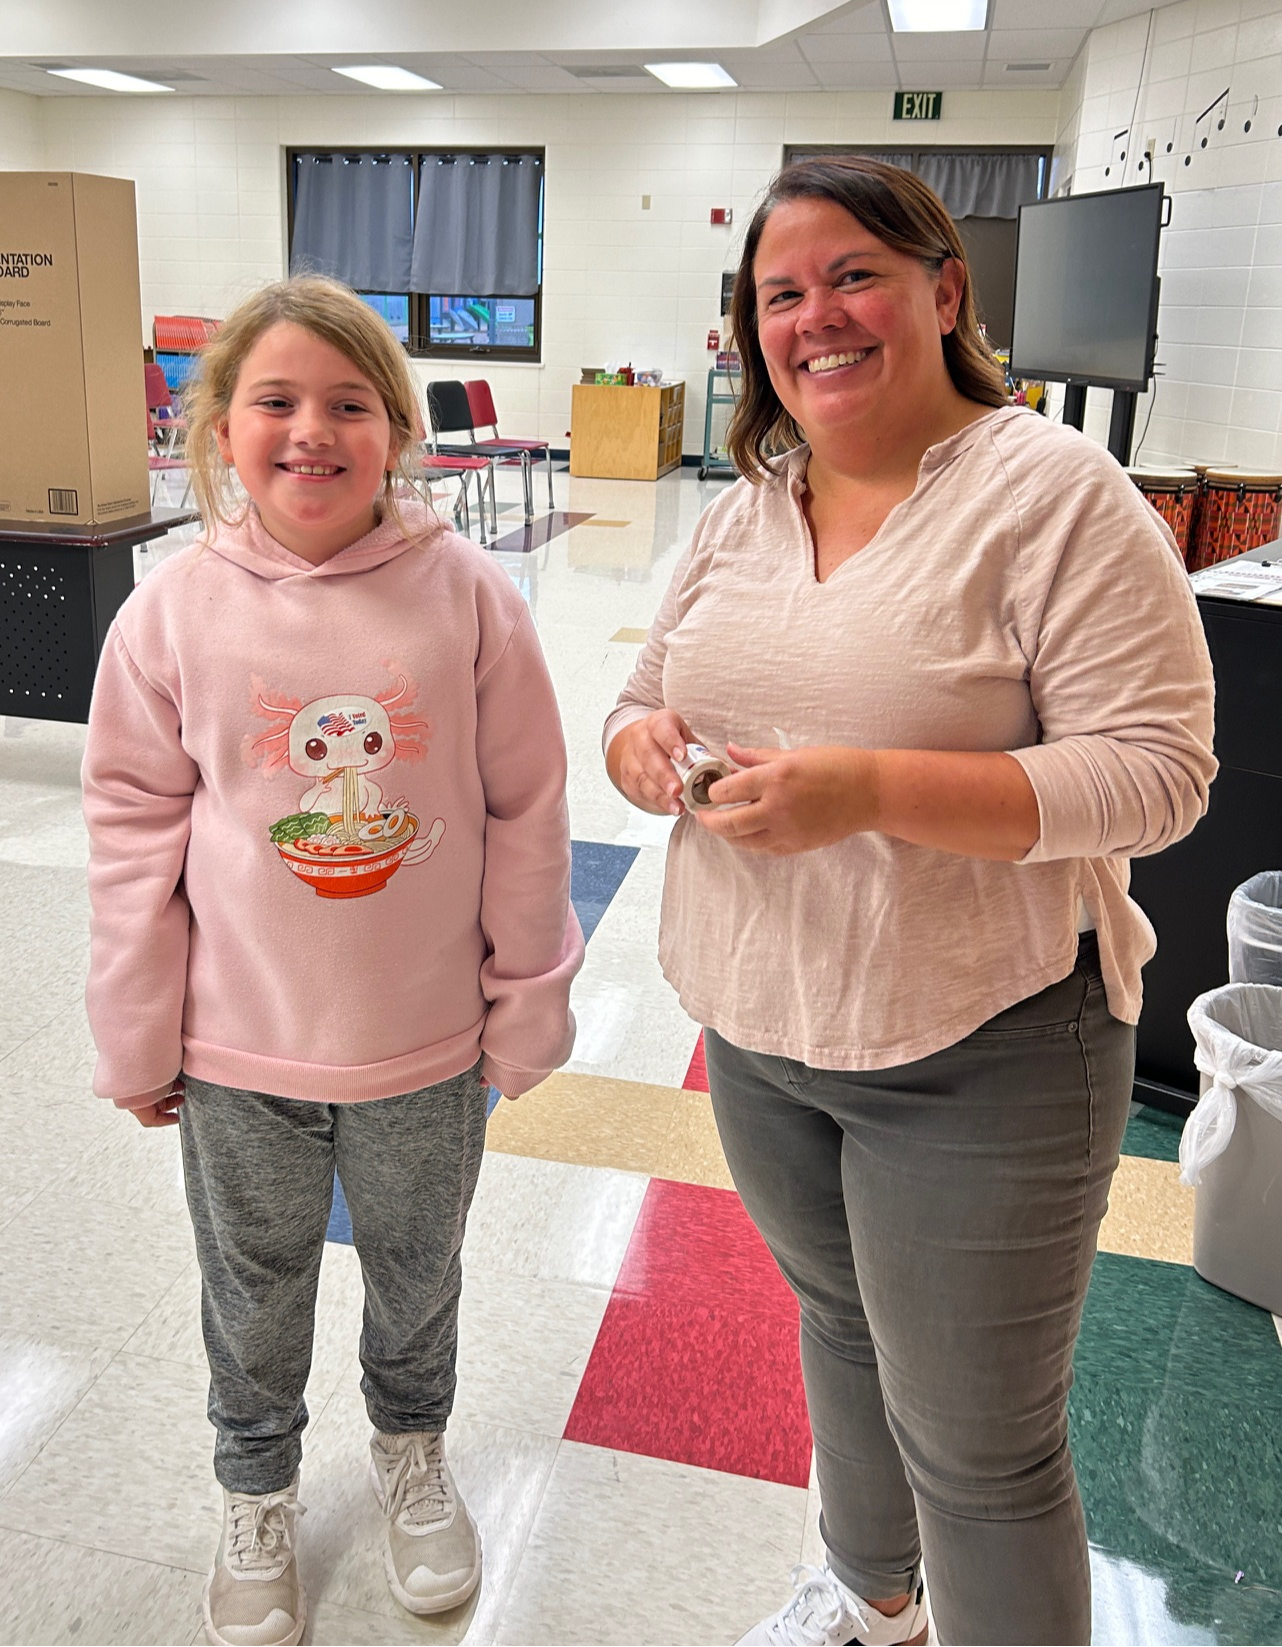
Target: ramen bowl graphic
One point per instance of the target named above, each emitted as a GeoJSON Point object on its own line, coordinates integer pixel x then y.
{"type": "Point", "coordinates": [350, 869]}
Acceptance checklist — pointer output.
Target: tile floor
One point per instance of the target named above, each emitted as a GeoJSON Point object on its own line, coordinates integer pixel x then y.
{"type": "Point", "coordinates": [629, 1427]}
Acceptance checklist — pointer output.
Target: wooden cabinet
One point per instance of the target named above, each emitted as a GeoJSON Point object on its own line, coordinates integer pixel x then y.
{"type": "Point", "coordinates": [626, 432]}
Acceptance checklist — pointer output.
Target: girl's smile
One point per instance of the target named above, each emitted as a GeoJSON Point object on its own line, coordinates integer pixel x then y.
{"type": "Point", "coordinates": [310, 439]}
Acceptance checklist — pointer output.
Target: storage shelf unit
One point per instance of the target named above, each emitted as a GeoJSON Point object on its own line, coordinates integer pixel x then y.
{"type": "Point", "coordinates": [626, 431]}
{"type": "Point", "coordinates": [715, 460]}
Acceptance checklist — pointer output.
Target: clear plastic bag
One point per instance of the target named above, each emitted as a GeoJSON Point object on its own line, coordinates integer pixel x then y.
{"type": "Point", "coordinates": [1255, 930]}
{"type": "Point", "coordinates": [1238, 1030]}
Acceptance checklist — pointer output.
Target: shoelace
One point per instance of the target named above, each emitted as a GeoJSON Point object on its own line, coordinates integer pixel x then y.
{"type": "Point", "coordinates": [414, 1484]}
{"type": "Point", "coordinates": [819, 1607]}
{"type": "Point", "coordinates": [261, 1534]}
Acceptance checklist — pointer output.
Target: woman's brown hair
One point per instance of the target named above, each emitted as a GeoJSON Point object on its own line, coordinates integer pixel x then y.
{"type": "Point", "coordinates": [333, 313]}
{"type": "Point", "coordinates": [905, 215]}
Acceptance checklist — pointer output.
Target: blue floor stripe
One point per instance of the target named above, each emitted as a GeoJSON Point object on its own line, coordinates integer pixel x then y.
{"type": "Point", "coordinates": [596, 874]}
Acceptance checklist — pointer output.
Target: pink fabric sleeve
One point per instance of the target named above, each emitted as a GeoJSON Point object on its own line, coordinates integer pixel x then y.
{"type": "Point", "coordinates": [138, 784]}
{"type": "Point", "coordinates": [643, 693]}
{"type": "Point", "coordinates": [536, 946]}
{"type": "Point", "coordinates": [1121, 681]}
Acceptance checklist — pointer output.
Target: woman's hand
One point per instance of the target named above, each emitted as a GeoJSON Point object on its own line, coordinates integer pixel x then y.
{"type": "Point", "coordinates": [639, 761]}
{"type": "Point", "coordinates": [978, 804]}
{"type": "Point", "coordinates": [793, 800]}
{"type": "Point", "coordinates": [158, 1108]}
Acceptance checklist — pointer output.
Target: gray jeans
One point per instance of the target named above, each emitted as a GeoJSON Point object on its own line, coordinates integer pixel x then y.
{"type": "Point", "coordinates": [937, 1222]}
{"type": "Point", "coordinates": [260, 1180]}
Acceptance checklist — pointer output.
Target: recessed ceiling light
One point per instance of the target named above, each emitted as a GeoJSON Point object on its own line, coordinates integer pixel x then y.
{"type": "Point", "coordinates": [109, 80]}
{"type": "Point", "coordinates": [691, 76]}
{"type": "Point", "coordinates": [937, 16]}
{"type": "Point", "coordinates": [387, 77]}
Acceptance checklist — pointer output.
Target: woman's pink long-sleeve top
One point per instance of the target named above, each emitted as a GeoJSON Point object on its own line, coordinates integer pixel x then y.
{"type": "Point", "coordinates": [1024, 598]}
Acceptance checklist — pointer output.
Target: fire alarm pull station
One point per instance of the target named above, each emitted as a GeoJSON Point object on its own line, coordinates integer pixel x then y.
{"type": "Point", "coordinates": [722, 215]}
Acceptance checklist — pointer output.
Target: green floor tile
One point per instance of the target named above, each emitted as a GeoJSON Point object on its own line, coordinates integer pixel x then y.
{"type": "Point", "coordinates": [1154, 1133]}
{"type": "Point", "coordinates": [1176, 1427]}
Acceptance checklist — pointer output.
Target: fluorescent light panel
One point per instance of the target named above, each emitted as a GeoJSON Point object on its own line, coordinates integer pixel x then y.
{"type": "Point", "coordinates": [691, 76]}
{"type": "Point", "coordinates": [937, 16]}
{"type": "Point", "coordinates": [110, 80]}
{"type": "Point", "coordinates": [387, 77]}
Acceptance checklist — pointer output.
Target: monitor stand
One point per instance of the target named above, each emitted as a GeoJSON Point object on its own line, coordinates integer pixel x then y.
{"type": "Point", "coordinates": [1121, 426]}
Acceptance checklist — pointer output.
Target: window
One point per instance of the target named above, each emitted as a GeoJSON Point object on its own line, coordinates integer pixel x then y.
{"type": "Point", "coordinates": [446, 245]}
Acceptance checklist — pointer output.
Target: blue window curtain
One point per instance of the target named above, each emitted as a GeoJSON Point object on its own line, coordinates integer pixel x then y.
{"type": "Point", "coordinates": [353, 219]}
{"type": "Point", "coordinates": [477, 229]}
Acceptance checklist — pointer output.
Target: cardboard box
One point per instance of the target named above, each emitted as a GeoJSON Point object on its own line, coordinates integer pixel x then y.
{"type": "Point", "coordinates": [73, 414]}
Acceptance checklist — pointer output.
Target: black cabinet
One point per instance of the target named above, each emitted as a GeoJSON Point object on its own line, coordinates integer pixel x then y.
{"type": "Point", "coordinates": [60, 587]}
{"type": "Point", "coordinates": [1185, 890]}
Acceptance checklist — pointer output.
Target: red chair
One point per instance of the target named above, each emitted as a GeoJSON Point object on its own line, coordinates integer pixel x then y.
{"type": "Point", "coordinates": [484, 416]}
{"type": "Point", "coordinates": [452, 466]}
{"type": "Point", "coordinates": [161, 406]}
{"type": "Point", "coordinates": [159, 464]}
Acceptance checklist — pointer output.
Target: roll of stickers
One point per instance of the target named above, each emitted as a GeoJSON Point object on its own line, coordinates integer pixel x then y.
{"type": "Point", "coordinates": [697, 771]}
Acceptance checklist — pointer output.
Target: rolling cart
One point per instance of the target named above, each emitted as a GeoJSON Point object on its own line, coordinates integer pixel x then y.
{"type": "Point", "coordinates": [712, 463]}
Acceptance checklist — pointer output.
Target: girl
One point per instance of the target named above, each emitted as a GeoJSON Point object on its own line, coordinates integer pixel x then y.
{"type": "Point", "coordinates": [328, 694]}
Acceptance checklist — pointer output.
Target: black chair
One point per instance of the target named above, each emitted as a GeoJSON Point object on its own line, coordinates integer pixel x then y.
{"type": "Point", "coordinates": [451, 413]}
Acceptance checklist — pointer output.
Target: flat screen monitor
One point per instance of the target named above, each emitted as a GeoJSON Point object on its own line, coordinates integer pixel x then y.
{"type": "Point", "coordinates": [1086, 288]}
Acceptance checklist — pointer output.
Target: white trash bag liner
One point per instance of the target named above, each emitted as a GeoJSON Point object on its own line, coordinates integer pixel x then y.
{"type": "Point", "coordinates": [1255, 930]}
{"type": "Point", "coordinates": [1238, 1030]}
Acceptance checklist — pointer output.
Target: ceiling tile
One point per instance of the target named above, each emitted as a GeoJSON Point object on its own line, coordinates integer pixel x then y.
{"type": "Point", "coordinates": [1043, 14]}
{"type": "Point", "coordinates": [1012, 43]}
{"type": "Point", "coordinates": [941, 48]}
{"type": "Point", "coordinates": [845, 48]}
{"type": "Point", "coordinates": [941, 75]}
{"type": "Point", "coordinates": [858, 76]}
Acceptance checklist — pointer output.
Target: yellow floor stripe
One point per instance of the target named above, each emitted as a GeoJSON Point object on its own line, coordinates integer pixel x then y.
{"type": "Point", "coordinates": [1150, 1213]}
{"type": "Point", "coordinates": [630, 637]}
{"type": "Point", "coordinates": [632, 1126]}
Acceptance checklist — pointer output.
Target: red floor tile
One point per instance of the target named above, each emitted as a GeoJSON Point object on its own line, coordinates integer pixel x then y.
{"type": "Point", "coordinates": [696, 1360]}
{"type": "Point", "coordinates": [697, 1075]}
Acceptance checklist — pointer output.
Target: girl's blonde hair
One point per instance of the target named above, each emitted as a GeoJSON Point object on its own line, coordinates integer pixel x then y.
{"type": "Point", "coordinates": [333, 313]}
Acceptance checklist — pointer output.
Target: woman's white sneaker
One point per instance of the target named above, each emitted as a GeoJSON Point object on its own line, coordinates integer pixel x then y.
{"type": "Point", "coordinates": [253, 1597]}
{"type": "Point", "coordinates": [824, 1613]}
{"type": "Point", "coordinates": [433, 1553]}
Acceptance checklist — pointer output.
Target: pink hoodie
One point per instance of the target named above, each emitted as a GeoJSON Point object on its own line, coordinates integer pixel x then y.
{"type": "Point", "coordinates": [330, 856]}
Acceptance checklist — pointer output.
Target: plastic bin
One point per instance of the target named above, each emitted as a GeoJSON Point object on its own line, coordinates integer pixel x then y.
{"type": "Point", "coordinates": [1232, 1144]}
{"type": "Point", "coordinates": [1255, 930]}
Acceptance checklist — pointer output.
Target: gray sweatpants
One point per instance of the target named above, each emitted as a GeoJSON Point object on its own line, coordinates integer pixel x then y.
{"type": "Point", "coordinates": [937, 1222]}
{"type": "Point", "coordinates": [260, 1180]}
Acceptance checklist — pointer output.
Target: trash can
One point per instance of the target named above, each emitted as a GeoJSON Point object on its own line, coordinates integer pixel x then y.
{"type": "Point", "coordinates": [1255, 930]}
{"type": "Point", "coordinates": [1231, 1149]}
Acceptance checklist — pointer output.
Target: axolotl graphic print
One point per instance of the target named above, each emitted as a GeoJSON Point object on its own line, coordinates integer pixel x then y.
{"type": "Point", "coordinates": [347, 833]}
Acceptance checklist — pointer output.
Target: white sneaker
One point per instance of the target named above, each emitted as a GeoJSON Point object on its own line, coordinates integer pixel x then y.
{"type": "Point", "coordinates": [824, 1613]}
{"type": "Point", "coordinates": [253, 1597]}
{"type": "Point", "coordinates": [433, 1554]}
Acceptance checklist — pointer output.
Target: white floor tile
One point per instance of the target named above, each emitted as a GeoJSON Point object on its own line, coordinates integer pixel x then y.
{"type": "Point", "coordinates": [85, 1274]}
{"type": "Point", "coordinates": [630, 1549]}
{"type": "Point", "coordinates": [39, 1386]}
{"type": "Point", "coordinates": [61, 1053]}
{"type": "Point", "coordinates": [523, 1346]}
{"type": "Point", "coordinates": [44, 1140]}
{"type": "Point", "coordinates": [501, 1474]}
{"type": "Point", "coordinates": [57, 1592]}
{"type": "Point", "coordinates": [130, 1470]}
{"type": "Point", "coordinates": [550, 1220]}
{"type": "Point", "coordinates": [632, 1027]}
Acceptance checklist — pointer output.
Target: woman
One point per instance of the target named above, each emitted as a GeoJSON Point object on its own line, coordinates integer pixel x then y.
{"type": "Point", "coordinates": [954, 655]}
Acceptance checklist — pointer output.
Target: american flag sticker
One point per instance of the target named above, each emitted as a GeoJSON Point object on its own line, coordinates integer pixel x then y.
{"type": "Point", "coordinates": [339, 722]}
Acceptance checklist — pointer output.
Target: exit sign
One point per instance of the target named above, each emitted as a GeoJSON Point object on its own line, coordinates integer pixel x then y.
{"type": "Point", "coordinates": [919, 105]}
